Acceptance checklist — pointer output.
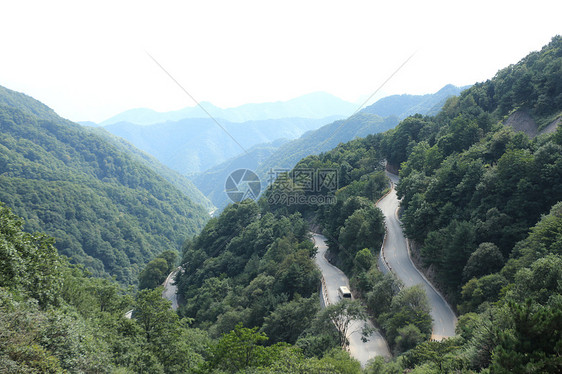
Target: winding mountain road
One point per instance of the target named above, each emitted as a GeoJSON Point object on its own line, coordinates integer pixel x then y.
{"type": "Point", "coordinates": [170, 292]}
{"type": "Point", "coordinates": [170, 289]}
{"type": "Point", "coordinates": [396, 253]}
{"type": "Point", "coordinates": [333, 279]}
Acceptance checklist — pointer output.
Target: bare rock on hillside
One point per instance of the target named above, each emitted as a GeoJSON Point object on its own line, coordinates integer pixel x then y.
{"type": "Point", "coordinates": [552, 126]}
{"type": "Point", "coordinates": [522, 121]}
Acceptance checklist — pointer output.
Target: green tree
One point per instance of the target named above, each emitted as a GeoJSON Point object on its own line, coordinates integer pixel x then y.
{"type": "Point", "coordinates": [154, 314]}
{"type": "Point", "coordinates": [439, 353]}
{"type": "Point", "coordinates": [540, 282]}
{"type": "Point", "coordinates": [477, 291]}
{"type": "Point", "coordinates": [533, 342]}
{"type": "Point", "coordinates": [239, 349]}
{"type": "Point", "coordinates": [30, 263]}
{"type": "Point", "coordinates": [384, 288]}
{"type": "Point", "coordinates": [289, 320]}
{"type": "Point", "coordinates": [409, 307]}
{"type": "Point", "coordinates": [154, 273]}
{"type": "Point", "coordinates": [341, 361]}
{"type": "Point", "coordinates": [485, 260]}
{"type": "Point", "coordinates": [363, 229]}
{"type": "Point", "coordinates": [364, 259]}
{"type": "Point", "coordinates": [341, 315]}
{"type": "Point", "coordinates": [297, 274]}
{"type": "Point", "coordinates": [171, 258]}
{"type": "Point", "coordinates": [408, 337]}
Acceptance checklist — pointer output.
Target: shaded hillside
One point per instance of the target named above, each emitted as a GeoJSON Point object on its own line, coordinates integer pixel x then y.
{"type": "Point", "coordinates": [106, 210]}
{"type": "Point", "coordinates": [179, 181]}
{"type": "Point", "coordinates": [212, 182]}
{"type": "Point", "coordinates": [482, 205]}
{"type": "Point", "coordinates": [366, 122]}
{"type": "Point", "coordinates": [288, 154]}
{"type": "Point", "coordinates": [403, 106]}
{"type": "Point", "coordinates": [195, 145]}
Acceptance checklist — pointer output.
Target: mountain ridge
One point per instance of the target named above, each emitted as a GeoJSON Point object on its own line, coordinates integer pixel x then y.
{"type": "Point", "coordinates": [179, 181]}
{"type": "Point", "coordinates": [405, 105]}
{"type": "Point", "coordinates": [107, 211]}
{"type": "Point", "coordinates": [285, 156]}
{"type": "Point", "coordinates": [314, 105]}
{"type": "Point", "coordinates": [196, 144]}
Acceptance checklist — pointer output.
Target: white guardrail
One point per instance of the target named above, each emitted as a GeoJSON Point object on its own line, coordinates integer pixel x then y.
{"type": "Point", "coordinates": [325, 292]}
{"type": "Point", "coordinates": [382, 258]}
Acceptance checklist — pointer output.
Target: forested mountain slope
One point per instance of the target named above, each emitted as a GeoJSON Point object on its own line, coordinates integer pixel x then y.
{"type": "Point", "coordinates": [26, 104]}
{"type": "Point", "coordinates": [245, 265]}
{"type": "Point", "coordinates": [194, 145]}
{"type": "Point", "coordinates": [106, 210]}
{"type": "Point", "coordinates": [481, 203]}
{"type": "Point", "coordinates": [178, 180]}
{"type": "Point", "coordinates": [379, 117]}
{"type": "Point", "coordinates": [55, 319]}
{"type": "Point", "coordinates": [467, 179]}
{"type": "Point", "coordinates": [403, 106]}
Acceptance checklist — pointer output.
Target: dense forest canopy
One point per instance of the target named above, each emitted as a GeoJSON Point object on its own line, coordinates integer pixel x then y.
{"type": "Point", "coordinates": [473, 193]}
{"type": "Point", "coordinates": [106, 210]}
{"type": "Point", "coordinates": [467, 180]}
{"type": "Point", "coordinates": [246, 267]}
{"type": "Point", "coordinates": [481, 203]}
{"type": "Point", "coordinates": [178, 180]}
{"type": "Point", "coordinates": [284, 154]}
{"type": "Point", "coordinates": [56, 319]}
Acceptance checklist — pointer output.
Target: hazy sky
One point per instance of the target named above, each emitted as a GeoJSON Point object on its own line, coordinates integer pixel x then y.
{"type": "Point", "coordinates": [88, 59]}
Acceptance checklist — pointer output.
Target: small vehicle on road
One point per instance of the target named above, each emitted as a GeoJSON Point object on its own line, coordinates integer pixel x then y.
{"type": "Point", "coordinates": [344, 293]}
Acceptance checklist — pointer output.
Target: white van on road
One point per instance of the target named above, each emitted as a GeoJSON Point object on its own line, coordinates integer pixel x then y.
{"type": "Point", "coordinates": [344, 293]}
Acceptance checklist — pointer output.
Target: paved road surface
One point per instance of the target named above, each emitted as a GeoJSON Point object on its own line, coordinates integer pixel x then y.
{"type": "Point", "coordinates": [170, 289]}
{"type": "Point", "coordinates": [334, 278]}
{"type": "Point", "coordinates": [169, 293]}
{"type": "Point", "coordinates": [396, 253]}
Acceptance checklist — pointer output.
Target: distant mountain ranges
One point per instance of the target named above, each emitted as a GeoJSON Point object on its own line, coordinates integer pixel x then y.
{"type": "Point", "coordinates": [403, 106]}
{"type": "Point", "coordinates": [259, 137]}
{"type": "Point", "coordinates": [272, 157]}
{"type": "Point", "coordinates": [194, 145]}
{"type": "Point", "coordinates": [189, 141]}
{"type": "Point", "coordinates": [315, 105]}
{"type": "Point", "coordinates": [112, 206]}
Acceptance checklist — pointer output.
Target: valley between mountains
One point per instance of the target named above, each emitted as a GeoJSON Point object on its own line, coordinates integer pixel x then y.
{"type": "Point", "coordinates": [126, 255]}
